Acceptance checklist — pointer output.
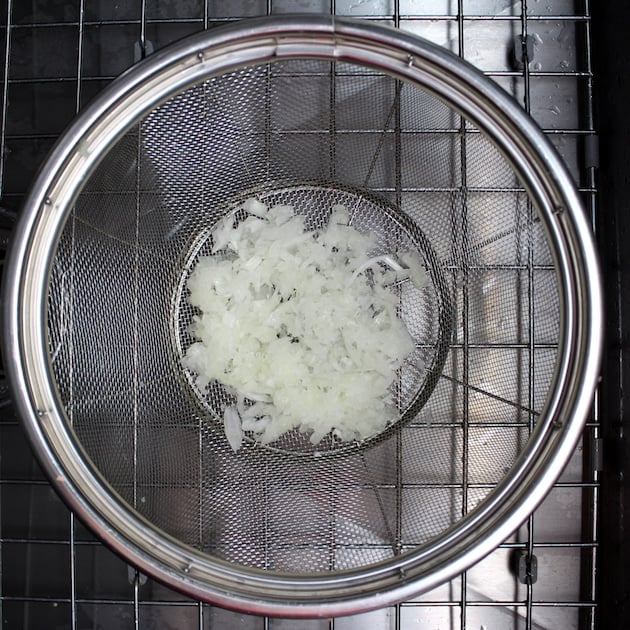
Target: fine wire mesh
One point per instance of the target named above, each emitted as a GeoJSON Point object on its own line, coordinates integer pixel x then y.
{"type": "Point", "coordinates": [88, 586]}
{"type": "Point", "coordinates": [118, 314]}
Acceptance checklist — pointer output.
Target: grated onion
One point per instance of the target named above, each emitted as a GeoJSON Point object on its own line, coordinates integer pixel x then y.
{"type": "Point", "coordinates": [301, 326]}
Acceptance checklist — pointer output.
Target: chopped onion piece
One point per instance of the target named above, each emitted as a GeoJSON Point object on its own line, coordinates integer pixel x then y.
{"type": "Point", "coordinates": [256, 207]}
{"type": "Point", "coordinates": [417, 273]}
{"type": "Point", "coordinates": [388, 260]}
{"type": "Point", "coordinates": [340, 215]}
{"type": "Point", "coordinates": [232, 427]}
{"type": "Point", "coordinates": [222, 234]}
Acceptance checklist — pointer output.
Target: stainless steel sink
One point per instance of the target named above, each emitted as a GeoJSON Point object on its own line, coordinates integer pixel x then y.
{"type": "Point", "coordinates": [57, 55]}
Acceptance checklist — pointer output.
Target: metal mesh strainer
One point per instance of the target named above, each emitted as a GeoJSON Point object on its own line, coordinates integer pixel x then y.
{"type": "Point", "coordinates": [427, 154]}
{"type": "Point", "coordinates": [427, 312]}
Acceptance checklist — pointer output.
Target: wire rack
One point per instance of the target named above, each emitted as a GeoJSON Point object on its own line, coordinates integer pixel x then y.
{"type": "Point", "coordinates": [56, 56]}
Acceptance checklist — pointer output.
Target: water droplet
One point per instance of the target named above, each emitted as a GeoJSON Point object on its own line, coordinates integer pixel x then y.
{"type": "Point", "coordinates": [564, 64]}
{"type": "Point", "coordinates": [537, 66]}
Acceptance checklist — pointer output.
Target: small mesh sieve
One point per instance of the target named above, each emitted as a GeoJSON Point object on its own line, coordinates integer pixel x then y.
{"type": "Point", "coordinates": [428, 155]}
{"type": "Point", "coordinates": [426, 311]}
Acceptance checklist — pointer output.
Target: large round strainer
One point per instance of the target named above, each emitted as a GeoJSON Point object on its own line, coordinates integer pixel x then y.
{"type": "Point", "coordinates": [425, 153]}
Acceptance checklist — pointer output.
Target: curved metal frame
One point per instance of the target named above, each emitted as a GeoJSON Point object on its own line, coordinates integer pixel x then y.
{"type": "Point", "coordinates": [407, 58]}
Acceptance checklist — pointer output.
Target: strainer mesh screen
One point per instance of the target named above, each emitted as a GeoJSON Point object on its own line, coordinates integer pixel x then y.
{"type": "Point", "coordinates": [312, 134]}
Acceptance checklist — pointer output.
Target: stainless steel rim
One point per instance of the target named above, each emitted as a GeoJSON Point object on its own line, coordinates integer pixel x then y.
{"type": "Point", "coordinates": [407, 58]}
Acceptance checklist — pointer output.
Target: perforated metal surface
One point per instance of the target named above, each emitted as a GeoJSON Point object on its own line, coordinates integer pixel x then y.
{"type": "Point", "coordinates": [545, 330]}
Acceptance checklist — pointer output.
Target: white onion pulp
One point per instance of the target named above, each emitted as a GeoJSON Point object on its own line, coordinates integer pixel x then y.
{"type": "Point", "coordinates": [300, 326]}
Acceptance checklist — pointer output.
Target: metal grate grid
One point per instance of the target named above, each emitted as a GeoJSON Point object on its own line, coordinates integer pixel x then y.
{"type": "Point", "coordinates": [57, 55]}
